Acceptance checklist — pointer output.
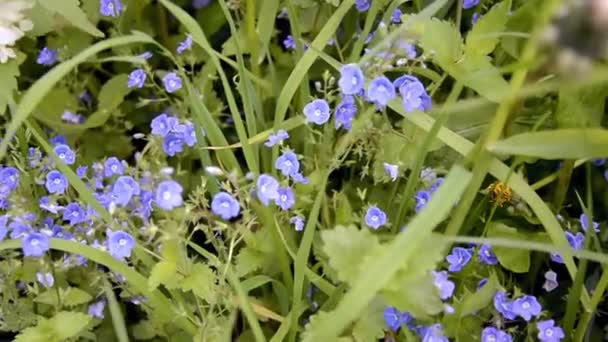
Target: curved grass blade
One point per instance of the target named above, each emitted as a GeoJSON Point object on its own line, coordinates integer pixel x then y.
{"type": "Point", "coordinates": [38, 90]}
{"type": "Point", "coordinates": [117, 318]}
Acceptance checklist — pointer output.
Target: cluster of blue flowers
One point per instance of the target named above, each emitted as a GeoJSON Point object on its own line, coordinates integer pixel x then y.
{"type": "Point", "coordinates": [175, 134]}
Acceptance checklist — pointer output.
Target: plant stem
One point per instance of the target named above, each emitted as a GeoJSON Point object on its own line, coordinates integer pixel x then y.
{"type": "Point", "coordinates": [563, 183]}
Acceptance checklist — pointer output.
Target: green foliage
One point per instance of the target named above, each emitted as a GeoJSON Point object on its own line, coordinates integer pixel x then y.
{"type": "Point", "coordinates": [62, 326]}
{"type": "Point", "coordinates": [485, 33]}
{"type": "Point", "coordinates": [68, 296]}
{"type": "Point", "coordinates": [70, 10]}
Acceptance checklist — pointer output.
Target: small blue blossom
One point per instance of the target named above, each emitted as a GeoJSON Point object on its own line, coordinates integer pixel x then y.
{"type": "Point", "coordinates": [548, 332]}
{"type": "Point", "coordinates": [58, 139]}
{"type": "Point", "coordinates": [297, 221]}
{"type": "Point", "coordinates": [169, 195]}
{"type": "Point", "coordinates": [408, 48]}
{"type": "Point", "coordinates": [74, 213]}
{"type": "Point", "coordinates": [47, 57]}
{"type": "Point", "coordinates": [267, 189]}
{"type": "Point", "coordinates": [575, 241]}
{"type": "Point", "coordinates": [381, 91]}
{"type": "Point", "coordinates": [96, 309]}
{"type": "Point", "coordinates": [392, 171]}
{"type": "Point", "coordinates": [394, 319]}
{"type": "Point", "coordinates": [375, 217]}
{"type": "Point", "coordinates": [35, 244]}
{"type": "Point", "coordinates": [225, 206]}
{"type": "Point", "coordinates": [189, 135]}
{"type": "Point", "coordinates": [491, 334]}
{"type": "Point", "coordinates": [585, 223]}
{"type": "Point", "coordinates": [481, 283]}
{"type": "Point", "coordinates": [173, 144]}
{"type": "Point", "coordinates": [46, 204]}
{"type": "Point", "coordinates": [288, 163]}
{"type": "Point", "coordinates": [65, 154]}
{"type": "Point", "coordinates": [436, 185]}
{"type": "Point", "coordinates": [110, 8]}
{"type": "Point", "coordinates": [3, 227]}
{"type": "Point", "coordinates": [317, 111]}
{"type": "Point", "coordinates": [185, 45]}
{"type": "Point", "coordinates": [286, 198]}
{"type": "Point", "coordinates": [413, 93]}
{"type": "Point", "coordinates": [276, 138]}
{"type": "Point", "coordinates": [458, 259]}
{"type": "Point", "coordinates": [396, 16]}
{"type": "Point", "coordinates": [486, 255]}
{"type": "Point", "coordinates": [163, 124]}
{"type": "Point", "coordinates": [434, 333]}
{"type": "Point", "coordinates": [19, 229]}
{"type": "Point", "coordinates": [362, 5]}
{"type": "Point", "coordinates": [299, 178]}
{"type": "Point", "coordinates": [527, 307]}
{"type": "Point", "coordinates": [9, 177]}
{"type": "Point", "coordinates": [550, 281]}
{"type": "Point", "coordinates": [34, 156]}
{"type": "Point", "coordinates": [81, 171]}
{"type": "Point", "coordinates": [137, 78]}
{"type": "Point", "coordinates": [73, 118]}
{"type": "Point", "coordinates": [469, 4]}
{"type": "Point", "coordinates": [120, 244]}
{"type": "Point", "coordinates": [145, 55]}
{"type": "Point", "coordinates": [345, 113]}
{"type": "Point", "coordinates": [124, 188]}
{"type": "Point", "coordinates": [422, 198]}
{"type": "Point", "coordinates": [351, 80]}
{"type": "Point", "coordinates": [113, 166]}
{"type": "Point", "coordinates": [503, 305]}
{"type": "Point", "coordinates": [599, 162]}
{"type": "Point", "coordinates": [172, 82]}
{"type": "Point", "coordinates": [45, 279]}
{"type": "Point", "coordinates": [56, 183]}
{"type": "Point", "coordinates": [474, 18]}
{"type": "Point", "coordinates": [444, 285]}
{"type": "Point", "coordinates": [289, 43]}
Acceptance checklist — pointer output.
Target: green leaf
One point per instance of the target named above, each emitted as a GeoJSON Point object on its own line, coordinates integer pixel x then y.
{"type": "Point", "coordinates": [521, 20]}
{"type": "Point", "coordinates": [249, 260]}
{"type": "Point", "coordinates": [478, 73]}
{"type": "Point", "coordinates": [346, 248]}
{"type": "Point", "coordinates": [62, 326]}
{"type": "Point", "coordinates": [371, 325]}
{"type": "Point", "coordinates": [8, 82]}
{"type": "Point", "coordinates": [144, 330]}
{"type": "Point", "coordinates": [71, 11]}
{"type": "Point", "coordinates": [422, 299]}
{"type": "Point", "coordinates": [515, 260]}
{"type": "Point", "coordinates": [581, 107]}
{"type": "Point", "coordinates": [475, 301]}
{"type": "Point", "coordinates": [163, 272]}
{"type": "Point", "coordinates": [43, 20]}
{"type": "Point", "coordinates": [201, 281]}
{"type": "Point", "coordinates": [556, 144]}
{"type": "Point", "coordinates": [484, 35]}
{"type": "Point", "coordinates": [344, 211]}
{"type": "Point", "coordinates": [266, 22]}
{"type": "Point", "coordinates": [73, 296]}
{"type": "Point", "coordinates": [439, 39]}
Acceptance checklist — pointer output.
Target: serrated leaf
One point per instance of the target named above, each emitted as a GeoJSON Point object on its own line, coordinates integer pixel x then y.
{"type": "Point", "coordinates": [581, 107]}
{"type": "Point", "coordinates": [62, 326]}
{"type": "Point", "coordinates": [248, 260]}
{"type": "Point", "coordinates": [371, 325]}
{"type": "Point", "coordinates": [43, 20]}
{"type": "Point", "coordinates": [515, 260]}
{"type": "Point", "coordinates": [163, 272]}
{"type": "Point", "coordinates": [170, 251]}
{"type": "Point", "coordinates": [8, 81]}
{"type": "Point", "coordinates": [201, 281]}
{"type": "Point", "coordinates": [73, 296]}
{"type": "Point", "coordinates": [484, 35]}
{"type": "Point", "coordinates": [144, 330]}
{"type": "Point", "coordinates": [113, 92]}
{"type": "Point", "coordinates": [417, 295]}
{"type": "Point", "coordinates": [346, 248]}
{"type": "Point", "coordinates": [478, 73]}
{"type": "Point", "coordinates": [48, 297]}
{"type": "Point", "coordinates": [71, 11]}
{"type": "Point", "coordinates": [440, 39]}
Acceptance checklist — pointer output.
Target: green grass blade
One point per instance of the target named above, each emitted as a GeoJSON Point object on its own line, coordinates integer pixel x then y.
{"type": "Point", "coordinates": [117, 317]}
{"type": "Point", "coordinates": [381, 269]}
{"type": "Point", "coordinates": [38, 90]}
{"type": "Point", "coordinates": [266, 20]}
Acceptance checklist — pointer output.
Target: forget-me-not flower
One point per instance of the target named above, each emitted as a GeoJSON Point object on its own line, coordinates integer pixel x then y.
{"type": "Point", "coordinates": [276, 138]}
{"type": "Point", "coordinates": [45, 279]}
{"type": "Point", "coordinates": [486, 255]}
{"type": "Point", "coordinates": [362, 5]}
{"type": "Point", "coordinates": [394, 319]}
{"type": "Point", "coordinates": [345, 113]}
{"type": "Point", "coordinates": [317, 111]}
{"type": "Point", "coordinates": [585, 223]}
{"type": "Point", "coordinates": [466, 4]}
{"type": "Point", "coordinates": [267, 189]}
{"type": "Point", "coordinates": [172, 82]}
{"type": "Point", "coordinates": [287, 163]}
{"type": "Point", "coordinates": [185, 44]}
{"type": "Point", "coordinates": [47, 56]}
{"type": "Point", "coordinates": [548, 332]}
{"type": "Point", "coordinates": [491, 334]}
{"type": "Point", "coordinates": [576, 241]}
{"type": "Point", "coordinates": [225, 206]}
{"type": "Point", "coordinates": [413, 93]}
{"type": "Point", "coordinates": [169, 195]}
{"type": "Point", "coordinates": [550, 281]}
{"type": "Point", "coordinates": [74, 213]}
{"type": "Point", "coordinates": [458, 259]}
{"type": "Point", "coordinates": [65, 153]}
{"type": "Point", "coordinates": [120, 244]}
{"type": "Point", "coordinates": [289, 43]}
{"type": "Point", "coordinates": [392, 171]}
{"type": "Point", "coordinates": [96, 309]}
{"type": "Point", "coordinates": [35, 244]}
{"type": "Point", "coordinates": [137, 78]}
{"type": "Point", "coordinates": [504, 305]}
{"type": "Point", "coordinates": [526, 307]}
{"type": "Point", "coordinates": [297, 221]}
{"type": "Point", "coordinates": [375, 217]}
{"type": "Point", "coordinates": [351, 79]}
{"type": "Point", "coordinates": [56, 183]}
{"type": "Point", "coordinates": [113, 166]}
{"type": "Point", "coordinates": [444, 285]}
{"type": "Point", "coordinates": [163, 124]}
{"type": "Point", "coordinates": [286, 198]}
{"type": "Point", "coordinates": [381, 91]}
{"type": "Point", "coordinates": [110, 8]}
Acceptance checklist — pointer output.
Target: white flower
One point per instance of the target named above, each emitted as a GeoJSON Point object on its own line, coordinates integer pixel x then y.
{"type": "Point", "coordinates": [13, 25]}
{"type": "Point", "coordinates": [6, 53]}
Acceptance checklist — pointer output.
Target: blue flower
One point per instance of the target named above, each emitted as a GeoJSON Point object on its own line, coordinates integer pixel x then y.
{"type": "Point", "coordinates": [575, 241]}
{"type": "Point", "coordinates": [444, 285]}
{"type": "Point", "coordinates": [9, 177]}
{"type": "Point", "coordinates": [124, 189]}
{"type": "Point", "coordinates": [458, 259]}
{"type": "Point", "coordinates": [548, 332]}
{"type": "Point", "coordinates": [45, 279]}
{"type": "Point", "coordinates": [96, 309]}
{"type": "Point", "coordinates": [362, 5]}
{"type": "Point", "coordinates": [550, 281]}
{"type": "Point", "coordinates": [422, 198]}
{"type": "Point", "coordinates": [413, 93]}
{"type": "Point", "coordinates": [289, 43]}
{"type": "Point", "coordinates": [345, 113]}
{"type": "Point", "coordinates": [375, 217]}
{"type": "Point", "coordinates": [491, 334]}
{"type": "Point", "coordinates": [351, 80]}
{"type": "Point", "coordinates": [585, 224]}
{"type": "Point", "coordinates": [56, 183]}
{"type": "Point", "coordinates": [46, 204]}
{"type": "Point", "coordinates": [73, 118]}
{"type": "Point", "coordinates": [145, 55]}
{"type": "Point", "coordinates": [172, 82]}
{"type": "Point", "coordinates": [3, 227]}
{"type": "Point", "coordinates": [481, 283]}
{"type": "Point", "coordinates": [113, 166]}
{"type": "Point", "coordinates": [527, 307]}
{"type": "Point", "coordinates": [74, 213]}
{"type": "Point", "coordinates": [474, 18]}
{"type": "Point", "coordinates": [436, 185]}
{"type": "Point", "coordinates": [486, 255]}
{"type": "Point", "coordinates": [394, 319]}
{"type": "Point", "coordinates": [19, 229]}
{"type": "Point", "coordinates": [408, 48]}
{"type": "Point", "coordinates": [381, 91]}
{"type": "Point", "coordinates": [297, 221]}
{"type": "Point", "coordinates": [163, 124]}
{"type": "Point", "coordinates": [286, 198]}
{"type": "Point", "coordinates": [120, 244]}
{"type": "Point", "coordinates": [189, 134]}
{"type": "Point", "coordinates": [35, 244]}
{"type": "Point", "coordinates": [392, 171]}
{"type": "Point", "coordinates": [434, 333]}
{"type": "Point", "coordinates": [173, 144]}
{"type": "Point", "coordinates": [184, 45]}
{"type": "Point", "coordinates": [276, 138]}
{"type": "Point", "coordinates": [47, 57]}
{"type": "Point", "coordinates": [65, 153]}
{"type": "Point", "coordinates": [137, 78]}
{"type": "Point", "coordinates": [169, 195]}
{"type": "Point", "coordinates": [287, 163]}
{"type": "Point", "coordinates": [58, 139]}
{"type": "Point", "coordinates": [299, 178]}
{"type": "Point", "coordinates": [396, 16]}
{"type": "Point", "coordinates": [599, 162]}
{"type": "Point", "coordinates": [225, 206]}
{"type": "Point", "coordinates": [469, 3]}
{"type": "Point", "coordinates": [267, 189]}
{"type": "Point", "coordinates": [317, 111]}
{"type": "Point", "coordinates": [110, 8]}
